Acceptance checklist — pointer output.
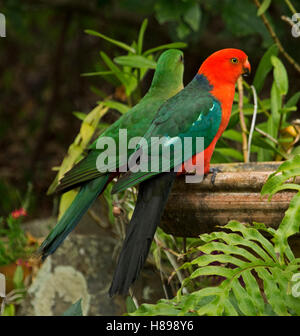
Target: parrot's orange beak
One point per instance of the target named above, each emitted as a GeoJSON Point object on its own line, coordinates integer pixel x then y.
{"type": "Point", "coordinates": [246, 68]}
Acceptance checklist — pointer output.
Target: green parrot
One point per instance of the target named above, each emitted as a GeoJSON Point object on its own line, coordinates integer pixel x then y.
{"type": "Point", "coordinates": [167, 81]}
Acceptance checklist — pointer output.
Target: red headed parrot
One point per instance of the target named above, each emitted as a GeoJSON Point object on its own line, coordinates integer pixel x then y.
{"type": "Point", "coordinates": [201, 109]}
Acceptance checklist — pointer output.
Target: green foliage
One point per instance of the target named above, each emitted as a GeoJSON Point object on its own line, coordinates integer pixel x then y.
{"type": "Point", "coordinates": [254, 271]}
{"type": "Point", "coordinates": [245, 259]}
{"type": "Point", "coordinates": [9, 310]}
{"type": "Point", "coordinates": [264, 6]}
{"type": "Point", "coordinates": [130, 69]}
{"type": "Point", "coordinates": [186, 14]}
{"type": "Point", "coordinates": [13, 241]}
{"type": "Point", "coordinates": [277, 182]}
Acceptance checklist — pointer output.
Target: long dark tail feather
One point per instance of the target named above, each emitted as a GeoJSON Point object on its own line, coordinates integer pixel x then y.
{"type": "Point", "coordinates": [152, 197]}
{"type": "Point", "coordinates": [84, 199]}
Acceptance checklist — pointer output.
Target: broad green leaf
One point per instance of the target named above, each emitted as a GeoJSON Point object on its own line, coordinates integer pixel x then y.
{"type": "Point", "coordinates": [135, 61]}
{"type": "Point", "coordinates": [254, 291]}
{"type": "Point", "coordinates": [161, 308]}
{"type": "Point", "coordinates": [273, 120]}
{"type": "Point", "coordinates": [212, 270]}
{"type": "Point", "coordinates": [232, 135]}
{"type": "Point", "coordinates": [118, 43]}
{"type": "Point", "coordinates": [293, 101]}
{"type": "Point", "coordinates": [244, 300]}
{"type": "Point", "coordinates": [230, 152]}
{"type": "Point", "coordinates": [18, 278]}
{"type": "Point", "coordinates": [274, 295]}
{"type": "Point", "coordinates": [288, 169]}
{"type": "Point", "coordinates": [289, 226]}
{"type": "Point", "coordinates": [280, 75]}
{"type": "Point", "coordinates": [263, 7]}
{"type": "Point", "coordinates": [264, 67]}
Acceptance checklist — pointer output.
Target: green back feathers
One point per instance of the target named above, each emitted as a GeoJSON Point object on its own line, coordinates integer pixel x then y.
{"type": "Point", "coordinates": [193, 113]}
{"type": "Point", "coordinates": [167, 81]}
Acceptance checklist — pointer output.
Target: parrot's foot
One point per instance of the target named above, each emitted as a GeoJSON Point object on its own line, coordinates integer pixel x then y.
{"type": "Point", "coordinates": [214, 171]}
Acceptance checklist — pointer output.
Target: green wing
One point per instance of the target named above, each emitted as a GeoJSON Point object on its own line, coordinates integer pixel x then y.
{"type": "Point", "coordinates": [193, 113]}
{"type": "Point", "coordinates": [136, 121]}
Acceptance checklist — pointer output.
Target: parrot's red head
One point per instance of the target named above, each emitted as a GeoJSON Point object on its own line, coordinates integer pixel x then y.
{"type": "Point", "coordinates": [225, 66]}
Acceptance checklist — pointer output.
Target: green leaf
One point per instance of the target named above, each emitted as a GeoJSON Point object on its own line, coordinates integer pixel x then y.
{"type": "Point", "coordinates": [130, 305]}
{"type": "Point", "coordinates": [114, 68]}
{"type": "Point", "coordinates": [274, 119]}
{"type": "Point", "coordinates": [135, 61]}
{"type": "Point", "coordinates": [122, 108]}
{"type": "Point", "coordinates": [193, 16]}
{"type": "Point", "coordinates": [230, 152]}
{"type": "Point", "coordinates": [97, 73]}
{"type": "Point", "coordinates": [74, 310]}
{"type": "Point", "coordinates": [79, 115]}
{"type": "Point", "coordinates": [264, 67]}
{"type": "Point", "coordinates": [293, 101]}
{"type": "Point", "coordinates": [118, 43]}
{"type": "Point", "coordinates": [141, 36]}
{"type": "Point", "coordinates": [232, 135]}
{"type": "Point", "coordinates": [285, 171]}
{"type": "Point", "coordinates": [280, 75]}
{"type": "Point", "coordinates": [18, 278]}
{"type": "Point", "coordinates": [175, 45]}
{"type": "Point", "coordinates": [263, 7]}
{"type": "Point", "coordinates": [9, 310]}
{"type": "Point", "coordinates": [289, 226]}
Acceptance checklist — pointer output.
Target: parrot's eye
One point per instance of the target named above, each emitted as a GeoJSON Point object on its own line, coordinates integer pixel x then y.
{"type": "Point", "coordinates": [234, 60]}
{"type": "Point", "coordinates": [181, 58]}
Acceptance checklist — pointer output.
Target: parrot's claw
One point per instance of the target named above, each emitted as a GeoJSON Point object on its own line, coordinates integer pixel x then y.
{"type": "Point", "coordinates": [214, 171]}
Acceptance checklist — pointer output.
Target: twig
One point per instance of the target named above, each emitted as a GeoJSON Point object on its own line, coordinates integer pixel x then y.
{"type": "Point", "coordinates": [288, 20]}
{"type": "Point", "coordinates": [159, 243]}
{"type": "Point", "coordinates": [276, 39]}
{"type": "Point", "coordinates": [172, 260]}
{"type": "Point", "coordinates": [97, 219]}
{"type": "Point", "coordinates": [242, 119]}
{"type": "Point", "coordinates": [253, 121]}
{"type": "Point", "coordinates": [266, 135]}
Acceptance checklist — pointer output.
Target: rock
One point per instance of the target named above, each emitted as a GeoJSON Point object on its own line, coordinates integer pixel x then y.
{"type": "Point", "coordinates": [82, 267]}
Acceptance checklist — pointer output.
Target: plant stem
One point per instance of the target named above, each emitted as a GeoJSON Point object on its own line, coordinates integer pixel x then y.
{"type": "Point", "coordinates": [242, 119]}
{"type": "Point", "coordinates": [288, 20]}
{"type": "Point", "coordinates": [253, 121]}
{"type": "Point", "coordinates": [291, 7]}
{"type": "Point", "coordinates": [276, 39]}
{"type": "Point", "coordinates": [268, 136]}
